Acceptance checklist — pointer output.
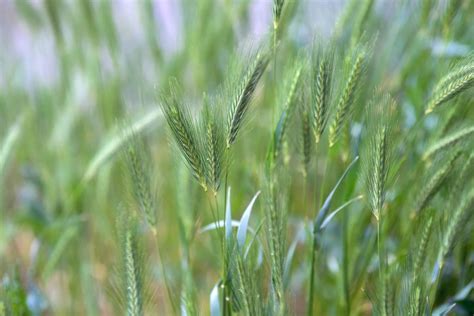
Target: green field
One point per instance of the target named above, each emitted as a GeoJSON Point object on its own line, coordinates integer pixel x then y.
{"type": "Point", "coordinates": [237, 157]}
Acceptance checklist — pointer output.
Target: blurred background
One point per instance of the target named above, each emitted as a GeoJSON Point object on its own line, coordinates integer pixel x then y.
{"type": "Point", "coordinates": [73, 73]}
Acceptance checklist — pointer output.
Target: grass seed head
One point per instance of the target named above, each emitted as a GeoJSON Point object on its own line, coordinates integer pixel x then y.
{"type": "Point", "coordinates": [214, 145]}
{"type": "Point", "coordinates": [139, 168]}
{"type": "Point", "coordinates": [184, 133]}
{"type": "Point", "coordinates": [348, 95]}
{"type": "Point", "coordinates": [378, 152]}
{"type": "Point", "coordinates": [322, 91]}
{"type": "Point", "coordinates": [454, 83]}
{"type": "Point", "coordinates": [243, 96]}
{"type": "Point", "coordinates": [289, 107]}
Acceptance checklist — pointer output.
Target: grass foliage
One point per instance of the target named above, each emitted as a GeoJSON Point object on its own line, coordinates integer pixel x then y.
{"type": "Point", "coordinates": [355, 142]}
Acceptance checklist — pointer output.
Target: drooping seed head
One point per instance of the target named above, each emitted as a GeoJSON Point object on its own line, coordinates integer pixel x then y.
{"type": "Point", "coordinates": [460, 78]}
{"type": "Point", "coordinates": [185, 134]}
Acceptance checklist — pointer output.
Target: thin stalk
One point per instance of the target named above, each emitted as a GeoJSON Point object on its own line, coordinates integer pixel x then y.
{"type": "Point", "coordinates": [226, 309]}
{"type": "Point", "coordinates": [435, 287]}
{"type": "Point", "coordinates": [221, 237]}
{"type": "Point", "coordinates": [163, 272]}
{"type": "Point", "coordinates": [274, 75]}
{"type": "Point", "coordinates": [223, 241]}
{"type": "Point", "coordinates": [305, 195]}
{"type": "Point", "coordinates": [323, 179]}
{"type": "Point", "coordinates": [311, 277]}
{"type": "Point", "coordinates": [275, 29]}
{"type": "Point", "coordinates": [315, 244]}
{"type": "Point", "coordinates": [379, 247]}
{"type": "Point", "coordinates": [381, 256]}
{"type": "Point", "coordinates": [345, 261]}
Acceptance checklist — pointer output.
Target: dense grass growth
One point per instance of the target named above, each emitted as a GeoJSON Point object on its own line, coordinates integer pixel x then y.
{"type": "Point", "coordinates": [193, 165]}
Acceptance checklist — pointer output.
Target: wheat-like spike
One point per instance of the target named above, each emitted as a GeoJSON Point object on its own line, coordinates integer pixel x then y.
{"type": "Point", "coordinates": [408, 291]}
{"type": "Point", "coordinates": [380, 171]}
{"type": "Point", "coordinates": [322, 95]}
{"type": "Point", "coordinates": [243, 282]}
{"type": "Point", "coordinates": [435, 182]}
{"type": "Point", "coordinates": [457, 73]}
{"type": "Point", "coordinates": [454, 223]}
{"type": "Point", "coordinates": [133, 296]}
{"type": "Point", "coordinates": [183, 131]}
{"type": "Point", "coordinates": [388, 296]}
{"type": "Point", "coordinates": [288, 110]}
{"type": "Point", "coordinates": [242, 100]}
{"type": "Point", "coordinates": [377, 153]}
{"type": "Point", "coordinates": [139, 169]}
{"type": "Point", "coordinates": [231, 283]}
{"type": "Point", "coordinates": [277, 9]}
{"type": "Point", "coordinates": [450, 118]}
{"type": "Point", "coordinates": [451, 90]}
{"type": "Point", "coordinates": [307, 141]}
{"type": "Point", "coordinates": [461, 177]}
{"type": "Point", "coordinates": [214, 148]}
{"type": "Point", "coordinates": [275, 232]}
{"type": "Point", "coordinates": [420, 253]}
{"type": "Point", "coordinates": [456, 81]}
{"type": "Point", "coordinates": [414, 304]}
{"type": "Point", "coordinates": [246, 285]}
{"type": "Point", "coordinates": [347, 98]}
{"type": "Point", "coordinates": [213, 159]}
{"type": "Point", "coordinates": [132, 272]}
{"type": "Point", "coordinates": [448, 141]}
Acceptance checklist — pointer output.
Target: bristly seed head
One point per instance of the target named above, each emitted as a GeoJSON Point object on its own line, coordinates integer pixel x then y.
{"type": "Point", "coordinates": [378, 152]}
{"type": "Point", "coordinates": [347, 98]}
{"type": "Point", "coordinates": [139, 168]}
{"type": "Point", "coordinates": [243, 97]}
{"type": "Point", "coordinates": [184, 132]}
{"type": "Point", "coordinates": [214, 147]}
{"type": "Point", "coordinates": [277, 9]}
{"type": "Point", "coordinates": [307, 141]}
{"type": "Point", "coordinates": [288, 110]}
{"type": "Point", "coordinates": [322, 93]}
{"type": "Point", "coordinates": [454, 83]}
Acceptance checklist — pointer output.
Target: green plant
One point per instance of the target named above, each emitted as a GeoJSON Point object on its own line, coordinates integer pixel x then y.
{"type": "Point", "coordinates": [354, 139]}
